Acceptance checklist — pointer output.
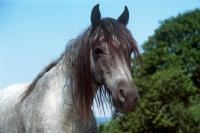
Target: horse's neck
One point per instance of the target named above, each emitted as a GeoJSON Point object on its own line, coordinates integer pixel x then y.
{"type": "Point", "coordinates": [55, 87]}
{"type": "Point", "coordinates": [51, 99]}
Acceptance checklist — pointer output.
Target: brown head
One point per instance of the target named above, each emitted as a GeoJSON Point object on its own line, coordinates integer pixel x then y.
{"type": "Point", "coordinates": [110, 58]}
{"type": "Point", "coordinates": [104, 59]}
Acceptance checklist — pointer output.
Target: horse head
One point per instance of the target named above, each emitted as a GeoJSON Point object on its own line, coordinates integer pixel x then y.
{"type": "Point", "coordinates": [110, 57]}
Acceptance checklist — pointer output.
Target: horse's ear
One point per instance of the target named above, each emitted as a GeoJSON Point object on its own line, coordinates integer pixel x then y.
{"type": "Point", "coordinates": [95, 16]}
{"type": "Point", "coordinates": [124, 17]}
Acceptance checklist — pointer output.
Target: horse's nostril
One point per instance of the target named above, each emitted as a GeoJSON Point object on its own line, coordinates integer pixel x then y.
{"type": "Point", "coordinates": [122, 96]}
{"type": "Point", "coordinates": [122, 93]}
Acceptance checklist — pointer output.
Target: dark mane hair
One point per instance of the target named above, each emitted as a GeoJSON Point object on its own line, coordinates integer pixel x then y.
{"type": "Point", "coordinates": [78, 66]}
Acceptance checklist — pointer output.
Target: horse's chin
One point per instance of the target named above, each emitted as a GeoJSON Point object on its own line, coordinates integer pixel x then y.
{"type": "Point", "coordinates": [125, 108]}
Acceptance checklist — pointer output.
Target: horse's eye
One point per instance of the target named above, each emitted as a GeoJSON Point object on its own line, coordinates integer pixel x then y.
{"type": "Point", "coordinates": [98, 51]}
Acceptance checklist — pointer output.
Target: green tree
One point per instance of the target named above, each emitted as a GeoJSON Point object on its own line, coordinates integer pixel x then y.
{"type": "Point", "coordinates": [169, 83]}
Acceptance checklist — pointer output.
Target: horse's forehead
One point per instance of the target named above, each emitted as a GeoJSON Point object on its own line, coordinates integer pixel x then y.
{"type": "Point", "coordinates": [102, 37]}
{"type": "Point", "coordinates": [115, 41]}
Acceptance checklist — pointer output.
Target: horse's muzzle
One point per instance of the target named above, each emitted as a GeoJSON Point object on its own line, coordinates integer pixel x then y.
{"type": "Point", "coordinates": [126, 97]}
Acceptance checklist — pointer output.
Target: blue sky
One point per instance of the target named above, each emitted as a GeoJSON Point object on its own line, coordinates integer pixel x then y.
{"type": "Point", "coordinates": [33, 33]}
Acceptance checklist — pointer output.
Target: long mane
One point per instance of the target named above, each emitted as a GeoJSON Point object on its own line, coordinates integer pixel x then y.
{"type": "Point", "coordinates": [77, 61]}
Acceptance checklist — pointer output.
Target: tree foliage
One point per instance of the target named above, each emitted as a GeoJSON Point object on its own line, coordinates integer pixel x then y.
{"type": "Point", "coordinates": [169, 82]}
